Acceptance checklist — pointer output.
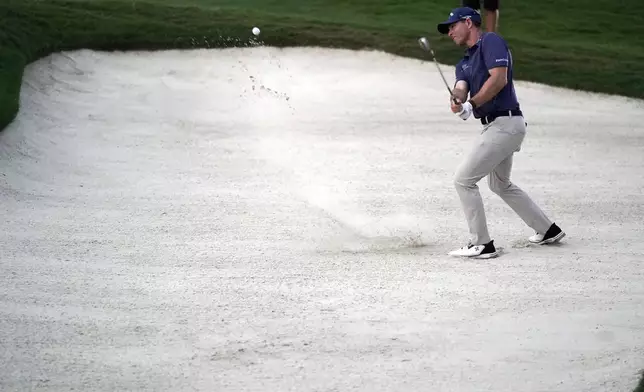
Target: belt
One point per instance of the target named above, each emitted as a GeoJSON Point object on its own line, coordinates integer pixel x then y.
{"type": "Point", "coordinates": [492, 116]}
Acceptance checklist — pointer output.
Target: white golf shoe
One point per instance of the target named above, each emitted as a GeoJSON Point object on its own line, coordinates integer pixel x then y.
{"type": "Point", "coordinates": [485, 251]}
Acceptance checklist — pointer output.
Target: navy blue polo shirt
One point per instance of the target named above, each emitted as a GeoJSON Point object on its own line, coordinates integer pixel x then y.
{"type": "Point", "coordinates": [489, 52]}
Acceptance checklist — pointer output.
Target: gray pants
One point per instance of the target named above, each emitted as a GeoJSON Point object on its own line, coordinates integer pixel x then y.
{"type": "Point", "coordinates": [492, 156]}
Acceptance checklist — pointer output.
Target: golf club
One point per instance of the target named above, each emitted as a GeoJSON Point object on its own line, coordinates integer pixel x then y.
{"type": "Point", "coordinates": [424, 44]}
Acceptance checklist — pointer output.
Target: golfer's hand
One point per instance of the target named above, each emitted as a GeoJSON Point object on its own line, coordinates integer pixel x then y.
{"type": "Point", "coordinates": [456, 105]}
{"type": "Point", "coordinates": [463, 110]}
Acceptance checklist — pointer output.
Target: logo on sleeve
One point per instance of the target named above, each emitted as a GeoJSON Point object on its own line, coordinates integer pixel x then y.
{"type": "Point", "coordinates": [502, 60]}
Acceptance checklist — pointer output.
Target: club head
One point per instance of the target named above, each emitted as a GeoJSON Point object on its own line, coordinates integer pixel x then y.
{"type": "Point", "coordinates": [424, 44]}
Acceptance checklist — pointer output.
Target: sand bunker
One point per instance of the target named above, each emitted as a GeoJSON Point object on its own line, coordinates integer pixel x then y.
{"type": "Point", "coordinates": [265, 220]}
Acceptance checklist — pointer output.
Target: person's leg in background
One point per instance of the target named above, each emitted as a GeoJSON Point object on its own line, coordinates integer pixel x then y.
{"type": "Point", "coordinates": [475, 4]}
{"type": "Point", "coordinates": [491, 15]}
{"type": "Point", "coordinates": [491, 8]}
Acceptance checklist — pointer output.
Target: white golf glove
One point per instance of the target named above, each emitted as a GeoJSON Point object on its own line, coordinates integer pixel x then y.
{"type": "Point", "coordinates": [466, 111]}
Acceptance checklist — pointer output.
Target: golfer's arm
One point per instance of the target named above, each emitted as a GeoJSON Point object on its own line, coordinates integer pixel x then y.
{"type": "Point", "coordinates": [495, 83]}
{"type": "Point", "coordinates": [461, 90]}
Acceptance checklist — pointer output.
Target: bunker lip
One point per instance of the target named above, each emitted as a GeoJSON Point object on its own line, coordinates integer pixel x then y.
{"type": "Point", "coordinates": [265, 216]}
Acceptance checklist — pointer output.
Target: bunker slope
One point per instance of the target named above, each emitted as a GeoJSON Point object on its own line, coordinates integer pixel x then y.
{"type": "Point", "coordinates": [265, 219]}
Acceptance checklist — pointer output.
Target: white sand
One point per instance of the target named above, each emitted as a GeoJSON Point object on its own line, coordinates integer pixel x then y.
{"type": "Point", "coordinates": [278, 220]}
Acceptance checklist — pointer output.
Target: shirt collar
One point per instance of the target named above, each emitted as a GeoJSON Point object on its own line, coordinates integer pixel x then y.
{"type": "Point", "coordinates": [470, 51]}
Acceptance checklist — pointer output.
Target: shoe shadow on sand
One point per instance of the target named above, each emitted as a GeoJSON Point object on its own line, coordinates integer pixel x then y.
{"type": "Point", "coordinates": [524, 243]}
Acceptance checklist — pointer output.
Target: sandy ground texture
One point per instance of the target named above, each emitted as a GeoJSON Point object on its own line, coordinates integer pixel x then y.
{"type": "Point", "coordinates": [279, 220]}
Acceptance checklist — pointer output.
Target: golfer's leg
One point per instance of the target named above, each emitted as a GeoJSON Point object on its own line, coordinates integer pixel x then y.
{"type": "Point", "coordinates": [516, 198]}
{"type": "Point", "coordinates": [484, 157]}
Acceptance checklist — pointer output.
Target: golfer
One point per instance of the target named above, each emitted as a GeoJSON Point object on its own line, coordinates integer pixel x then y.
{"type": "Point", "coordinates": [485, 73]}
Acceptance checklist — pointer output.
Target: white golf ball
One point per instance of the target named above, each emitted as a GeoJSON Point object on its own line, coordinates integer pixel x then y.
{"type": "Point", "coordinates": [255, 30]}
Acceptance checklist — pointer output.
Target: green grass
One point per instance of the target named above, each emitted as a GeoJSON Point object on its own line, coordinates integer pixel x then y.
{"type": "Point", "coordinates": [640, 386]}
{"type": "Point", "coordinates": [595, 46]}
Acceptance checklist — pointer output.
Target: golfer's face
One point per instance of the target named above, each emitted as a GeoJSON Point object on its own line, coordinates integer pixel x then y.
{"type": "Point", "coordinates": [458, 32]}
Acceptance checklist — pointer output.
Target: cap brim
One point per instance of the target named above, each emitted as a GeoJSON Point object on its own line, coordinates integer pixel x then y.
{"type": "Point", "coordinates": [443, 28]}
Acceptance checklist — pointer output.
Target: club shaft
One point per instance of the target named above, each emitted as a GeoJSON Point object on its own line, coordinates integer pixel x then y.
{"type": "Point", "coordinates": [425, 45]}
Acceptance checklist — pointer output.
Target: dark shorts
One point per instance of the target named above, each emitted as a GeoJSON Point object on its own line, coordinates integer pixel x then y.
{"type": "Point", "coordinates": [490, 5]}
